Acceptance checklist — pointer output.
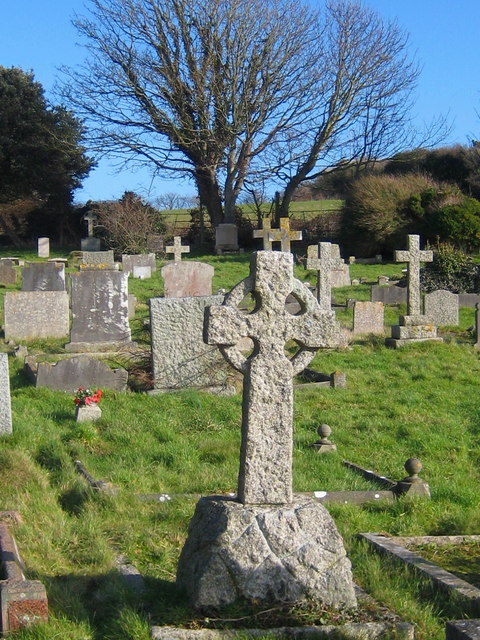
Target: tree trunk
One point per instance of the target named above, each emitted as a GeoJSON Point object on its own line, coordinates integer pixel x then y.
{"type": "Point", "coordinates": [209, 193]}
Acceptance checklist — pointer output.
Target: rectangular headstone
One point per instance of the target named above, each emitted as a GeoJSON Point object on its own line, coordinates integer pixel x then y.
{"type": "Point", "coordinates": [36, 314]}
{"type": "Point", "coordinates": [441, 308]}
{"type": "Point", "coordinates": [71, 373]}
{"type": "Point", "coordinates": [226, 237]}
{"type": "Point", "coordinates": [180, 357]}
{"type": "Point", "coordinates": [368, 317]}
{"type": "Point", "coordinates": [5, 406]}
{"type": "Point", "coordinates": [185, 279]}
{"type": "Point", "coordinates": [156, 243]}
{"type": "Point", "coordinates": [468, 299]}
{"type": "Point", "coordinates": [142, 273]}
{"type": "Point", "coordinates": [8, 274]}
{"type": "Point", "coordinates": [99, 311]}
{"type": "Point", "coordinates": [104, 258]}
{"type": "Point", "coordinates": [139, 260]}
{"type": "Point", "coordinates": [388, 295]}
{"type": "Point", "coordinates": [43, 276]}
{"type": "Point", "coordinates": [90, 244]}
{"type": "Point", "coordinates": [43, 247]}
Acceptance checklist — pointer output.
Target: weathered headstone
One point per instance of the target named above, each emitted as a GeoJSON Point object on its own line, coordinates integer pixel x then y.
{"type": "Point", "coordinates": [368, 317]}
{"type": "Point", "coordinates": [5, 404]}
{"type": "Point", "coordinates": [142, 273]}
{"type": "Point", "coordinates": [226, 237]}
{"type": "Point", "coordinates": [183, 279]}
{"type": "Point", "coordinates": [265, 545]}
{"type": "Point", "coordinates": [319, 259]}
{"type": "Point", "coordinates": [340, 273]}
{"type": "Point", "coordinates": [36, 314]}
{"type": "Point", "coordinates": [414, 327]}
{"type": "Point", "coordinates": [71, 373]}
{"type": "Point", "coordinates": [441, 307]}
{"type": "Point", "coordinates": [129, 262]}
{"type": "Point", "coordinates": [180, 357]}
{"type": "Point", "coordinates": [177, 249]}
{"type": "Point", "coordinates": [8, 273]}
{"type": "Point", "coordinates": [99, 311]}
{"type": "Point", "coordinates": [43, 276]}
{"type": "Point", "coordinates": [284, 235]}
{"type": "Point", "coordinates": [388, 294]}
{"type": "Point", "coordinates": [103, 259]}
{"type": "Point", "coordinates": [43, 246]}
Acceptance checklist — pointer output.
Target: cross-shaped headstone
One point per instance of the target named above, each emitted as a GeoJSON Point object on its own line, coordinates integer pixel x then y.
{"type": "Point", "coordinates": [284, 235]}
{"type": "Point", "coordinates": [413, 257]}
{"type": "Point", "coordinates": [177, 249]}
{"type": "Point", "coordinates": [264, 233]}
{"type": "Point", "coordinates": [319, 259]}
{"type": "Point", "coordinates": [265, 475]}
{"type": "Point", "coordinates": [91, 218]}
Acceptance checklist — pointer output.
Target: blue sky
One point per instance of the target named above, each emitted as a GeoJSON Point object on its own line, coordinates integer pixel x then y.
{"type": "Point", "coordinates": [445, 35]}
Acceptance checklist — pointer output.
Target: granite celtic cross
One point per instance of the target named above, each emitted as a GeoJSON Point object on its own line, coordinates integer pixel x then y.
{"type": "Point", "coordinates": [413, 257]}
{"type": "Point", "coordinates": [265, 475]}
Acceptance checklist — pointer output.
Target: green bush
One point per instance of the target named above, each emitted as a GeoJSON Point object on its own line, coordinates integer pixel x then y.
{"type": "Point", "coordinates": [451, 269]}
{"type": "Point", "coordinates": [458, 224]}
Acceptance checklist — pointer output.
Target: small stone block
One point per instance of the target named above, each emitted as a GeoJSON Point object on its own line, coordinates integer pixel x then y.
{"type": "Point", "coordinates": [88, 413]}
{"type": "Point", "coordinates": [412, 489]}
{"type": "Point", "coordinates": [338, 380]}
{"type": "Point", "coordinates": [322, 447]}
{"type": "Point", "coordinates": [462, 630]}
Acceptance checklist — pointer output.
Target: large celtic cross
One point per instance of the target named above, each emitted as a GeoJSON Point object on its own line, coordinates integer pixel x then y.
{"type": "Point", "coordinates": [265, 475]}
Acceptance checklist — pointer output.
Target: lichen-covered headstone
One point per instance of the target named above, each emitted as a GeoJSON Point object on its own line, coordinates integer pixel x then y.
{"type": "Point", "coordinates": [99, 311]}
{"type": "Point", "coordinates": [284, 235]}
{"type": "Point", "coordinates": [266, 545]}
{"type": "Point", "coordinates": [5, 405]}
{"type": "Point", "coordinates": [368, 317]}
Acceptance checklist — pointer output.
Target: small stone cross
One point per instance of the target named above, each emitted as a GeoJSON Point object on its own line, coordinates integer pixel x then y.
{"type": "Point", "coordinates": [284, 235]}
{"type": "Point", "coordinates": [91, 218]}
{"type": "Point", "coordinates": [265, 475]}
{"type": "Point", "coordinates": [264, 233]}
{"type": "Point", "coordinates": [413, 257]}
{"type": "Point", "coordinates": [177, 249]}
{"type": "Point", "coordinates": [319, 259]}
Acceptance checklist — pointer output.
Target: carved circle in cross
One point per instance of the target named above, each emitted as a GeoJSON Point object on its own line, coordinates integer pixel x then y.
{"type": "Point", "coordinates": [308, 304]}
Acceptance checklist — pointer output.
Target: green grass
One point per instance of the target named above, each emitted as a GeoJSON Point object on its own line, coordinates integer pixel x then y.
{"type": "Point", "coordinates": [419, 401]}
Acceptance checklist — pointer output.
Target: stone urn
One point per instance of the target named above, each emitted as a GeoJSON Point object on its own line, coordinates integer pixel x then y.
{"type": "Point", "coordinates": [87, 413]}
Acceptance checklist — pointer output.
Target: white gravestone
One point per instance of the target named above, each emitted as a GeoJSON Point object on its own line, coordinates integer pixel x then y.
{"type": "Point", "coordinates": [5, 405]}
{"type": "Point", "coordinates": [43, 247]}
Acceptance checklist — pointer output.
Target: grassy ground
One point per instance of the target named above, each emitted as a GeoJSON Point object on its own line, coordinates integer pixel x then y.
{"type": "Point", "coordinates": [419, 401]}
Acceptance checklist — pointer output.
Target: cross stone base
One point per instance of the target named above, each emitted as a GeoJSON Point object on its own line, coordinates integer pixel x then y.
{"type": "Point", "coordinates": [415, 328]}
{"type": "Point", "coordinates": [267, 553]}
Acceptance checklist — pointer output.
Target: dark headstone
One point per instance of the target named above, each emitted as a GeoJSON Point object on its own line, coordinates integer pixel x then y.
{"type": "Point", "coordinates": [43, 276]}
{"type": "Point", "coordinates": [388, 295]}
{"type": "Point", "coordinates": [8, 274]}
{"type": "Point", "coordinates": [468, 299]}
{"type": "Point", "coordinates": [71, 373]}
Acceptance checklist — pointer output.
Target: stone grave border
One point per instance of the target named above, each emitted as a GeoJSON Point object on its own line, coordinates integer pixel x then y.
{"type": "Point", "coordinates": [396, 546]}
{"type": "Point", "coordinates": [23, 602]}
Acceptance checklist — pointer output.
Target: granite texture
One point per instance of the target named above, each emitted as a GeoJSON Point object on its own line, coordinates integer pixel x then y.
{"type": "Point", "coordinates": [368, 317]}
{"type": "Point", "coordinates": [268, 554]}
{"type": "Point", "coordinates": [441, 308]}
{"type": "Point", "coordinates": [36, 314]}
{"type": "Point", "coordinates": [413, 257]}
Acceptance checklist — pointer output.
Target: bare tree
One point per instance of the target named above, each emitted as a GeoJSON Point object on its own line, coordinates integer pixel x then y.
{"type": "Point", "coordinates": [194, 87]}
{"type": "Point", "coordinates": [171, 200]}
{"type": "Point", "coordinates": [364, 87]}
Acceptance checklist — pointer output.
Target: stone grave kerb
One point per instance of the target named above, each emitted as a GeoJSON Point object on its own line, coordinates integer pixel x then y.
{"type": "Point", "coordinates": [284, 235]}
{"type": "Point", "coordinates": [264, 233]}
{"type": "Point", "coordinates": [413, 257]}
{"type": "Point", "coordinates": [265, 475]}
{"type": "Point", "coordinates": [319, 259]}
{"type": "Point", "coordinates": [177, 249]}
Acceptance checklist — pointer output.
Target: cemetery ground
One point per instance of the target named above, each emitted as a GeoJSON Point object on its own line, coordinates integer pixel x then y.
{"type": "Point", "coordinates": [418, 401]}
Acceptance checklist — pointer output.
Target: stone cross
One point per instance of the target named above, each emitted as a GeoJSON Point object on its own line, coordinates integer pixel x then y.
{"type": "Point", "coordinates": [284, 235]}
{"type": "Point", "coordinates": [90, 217]}
{"type": "Point", "coordinates": [264, 233]}
{"type": "Point", "coordinates": [265, 475]}
{"type": "Point", "coordinates": [319, 259]}
{"type": "Point", "coordinates": [413, 257]}
{"type": "Point", "coordinates": [177, 249]}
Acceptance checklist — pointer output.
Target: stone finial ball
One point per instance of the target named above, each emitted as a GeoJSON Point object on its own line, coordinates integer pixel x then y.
{"type": "Point", "coordinates": [324, 430]}
{"type": "Point", "coordinates": [413, 466]}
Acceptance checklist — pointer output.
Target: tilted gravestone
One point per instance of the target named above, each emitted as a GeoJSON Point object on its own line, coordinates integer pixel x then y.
{"type": "Point", "coordinates": [71, 373]}
{"type": "Point", "coordinates": [441, 307]}
{"type": "Point", "coordinates": [180, 357]}
{"type": "Point", "coordinates": [43, 276]}
{"type": "Point", "coordinates": [139, 260]}
{"type": "Point", "coordinates": [8, 273]}
{"type": "Point", "coordinates": [36, 314]}
{"type": "Point", "coordinates": [184, 279]}
{"type": "Point", "coordinates": [368, 317]}
{"type": "Point", "coordinates": [266, 545]}
{"type": "Point", "coordinates": [415, 326]}
{"type": "Point", "coordinates": [5, 405]}
{"type": "Point", "coordinates": [99, 311]}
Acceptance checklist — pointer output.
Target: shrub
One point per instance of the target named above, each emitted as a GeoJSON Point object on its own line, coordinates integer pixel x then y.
{"type": "Point", "coordinates": [451, 269]}
{"type": "Point", "coordinates": [458, 224]}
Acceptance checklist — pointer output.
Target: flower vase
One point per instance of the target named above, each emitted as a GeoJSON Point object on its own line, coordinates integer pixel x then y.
{"type": "Point", "coordinates": [88, 413]}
